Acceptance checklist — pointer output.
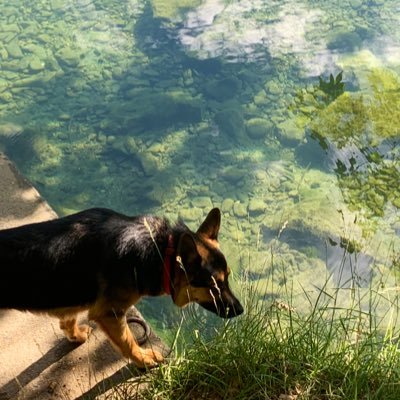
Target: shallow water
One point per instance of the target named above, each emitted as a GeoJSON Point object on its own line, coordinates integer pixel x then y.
{"type": "Point", "coordinates": [285, 114]}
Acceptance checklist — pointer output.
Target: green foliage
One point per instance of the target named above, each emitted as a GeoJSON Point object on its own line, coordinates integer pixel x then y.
{"type": "Point", "coordinates": [332, 88]}
{"type": "Point", "coordinates": [275, 352]}
{"type": "Point", "coordinates": [172, 9]}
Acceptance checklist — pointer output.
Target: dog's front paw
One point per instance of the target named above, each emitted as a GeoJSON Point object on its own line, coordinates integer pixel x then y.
{"type": "Point", "coordinates": [147, 358]}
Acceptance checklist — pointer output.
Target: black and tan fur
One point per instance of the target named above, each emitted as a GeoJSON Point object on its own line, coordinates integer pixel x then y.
{"type": "Point", "coordinates": [103, 262]}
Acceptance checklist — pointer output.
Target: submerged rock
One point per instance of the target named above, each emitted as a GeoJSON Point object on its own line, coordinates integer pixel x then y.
{"type": "Point", "coordinates": [68, 56]}
{"type": "Point", "coordinates": [227, 205]}
{"type": "Point", "coordinates": [258, 128]}
{"type": "Point", "coordinates": [240, 209]}
{"type": "Point", "coordinates": [290, 132]}
{"type": "Point", "coordinates": [230, 122]}
{"type": "Point", "coordinates": [36, 64]}
{"type": "Point", "coordinates": [192, 214]}
{"type": "Point", "coordinates": [223, 89]}
{"type": "Point", "coordinates": [256, 206]}
{"type": "Point", "coordinates": [10, 129]}
{"type": "Point", "coordinates": [202, 202]}
{"type": "Point", "coordinates": [14, 50]}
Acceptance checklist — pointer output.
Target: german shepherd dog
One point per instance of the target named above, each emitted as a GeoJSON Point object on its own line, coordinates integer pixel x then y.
{"type": "Point", "coordinates": [103, 262]}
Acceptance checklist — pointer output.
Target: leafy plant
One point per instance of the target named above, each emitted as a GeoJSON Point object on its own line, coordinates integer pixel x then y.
{"type": "Point", "coordinates": [332, 88]}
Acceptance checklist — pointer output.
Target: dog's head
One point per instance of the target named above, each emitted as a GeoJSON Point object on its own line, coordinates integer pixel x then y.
{"type": "Point", "coordinates": [202, 272]}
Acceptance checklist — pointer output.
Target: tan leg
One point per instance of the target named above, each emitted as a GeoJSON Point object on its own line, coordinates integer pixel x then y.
{"type": "Point", "coordinates": [73, 331]}
{"type": "Point", "coordinates": [118, 331]}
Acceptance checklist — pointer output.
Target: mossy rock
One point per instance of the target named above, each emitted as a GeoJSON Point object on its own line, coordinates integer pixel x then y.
{"type": "Point", "coordinates": [344, 41]}
{"type": "Point", "coordinates": [223, 89]}
{"type": "Point", "coordinates": [230, 122]}
{"type": "Point", "coordinates": [68, 56]}
{"type": "Point", "coordinates": [375, 110]}
{"type": "Point", "coordinates": [153, 109]}
{"type": "Point", "coordinates": [240, 209]}
{"type": "Point", "coordinates": [233, 174]}
{"type": "Point", "coordinates": [149, 163]}
{"type": "Point", "coordinates": [172, 9]}
{"type": "Point", "coordinates": [14, 50]}
{"type": "Point", "coordinates": [227, 205]}
{"type": "Point", "coordinates": [258, 128]}
{"type": "Point", "coordinates": [257, 206]}
{"type": "Point", "coordinates": [274, 87]}
{"type": "Point", "coordinates": [192, 214]}
{"type": "Point", "coordinates": [202, 202]}
{"type": "Point", "coordinates": [290, 131]}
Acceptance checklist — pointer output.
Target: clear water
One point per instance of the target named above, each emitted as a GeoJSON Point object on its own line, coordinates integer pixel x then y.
{"type": "Point", "coordinates": [285, 114]}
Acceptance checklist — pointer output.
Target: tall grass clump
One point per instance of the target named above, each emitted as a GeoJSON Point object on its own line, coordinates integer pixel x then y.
{"type": "Point", "coordinates": [275, 352]}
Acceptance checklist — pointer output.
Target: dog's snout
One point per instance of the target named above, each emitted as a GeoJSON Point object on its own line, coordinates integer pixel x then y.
{"type": "Point", "coordinates": [237, 309]}
{"type": "Point", "coordinates": [227, 309]}
{"type": "Point", "coordinates": [231, 310]}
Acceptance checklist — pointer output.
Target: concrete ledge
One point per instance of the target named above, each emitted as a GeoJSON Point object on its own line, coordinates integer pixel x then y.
{"type": "Point", "coordinates": [36, 360]}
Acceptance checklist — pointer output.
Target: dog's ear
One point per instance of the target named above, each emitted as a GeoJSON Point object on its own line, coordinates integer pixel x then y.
{"type": "Point", "coordinates": [187, 251]}
{"type": "Point", "coordinates": [210, 226]}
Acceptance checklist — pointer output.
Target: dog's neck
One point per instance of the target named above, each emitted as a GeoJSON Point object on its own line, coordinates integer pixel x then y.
{"type": "Point", "coordinates": [168, 266]}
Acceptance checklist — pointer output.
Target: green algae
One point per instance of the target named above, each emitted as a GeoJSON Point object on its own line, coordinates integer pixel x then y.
{"type": "Point", "coordinates": [173, 9]}
{"type": "Point", "coordinates": [365, 119]}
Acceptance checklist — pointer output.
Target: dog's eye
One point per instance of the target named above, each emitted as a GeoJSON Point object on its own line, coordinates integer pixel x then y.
{"type": "Point", "coordinates": [202, 279]}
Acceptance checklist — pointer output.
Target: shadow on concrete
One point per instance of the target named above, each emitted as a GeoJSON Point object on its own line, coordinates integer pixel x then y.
{"type": "Point", "coordinates": [53, 355]}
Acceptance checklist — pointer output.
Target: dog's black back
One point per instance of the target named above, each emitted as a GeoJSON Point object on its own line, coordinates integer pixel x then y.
{"type": "Point", "coordinates": [66, 262]}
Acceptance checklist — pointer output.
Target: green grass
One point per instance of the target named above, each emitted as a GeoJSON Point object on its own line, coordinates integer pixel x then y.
{"type": "Point", "coordinates": [275, 352]}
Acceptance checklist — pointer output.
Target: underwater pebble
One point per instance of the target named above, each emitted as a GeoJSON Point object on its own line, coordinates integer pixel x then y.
{"type": "Point", "coordinates": [149, 163]}
{"type": "Point", "coordinates": [233, 174]}
{"type": "Point", "coordinates": [290, 131]}
{"type": "Point", "coordinates": [10, 129]}
{"type": "Point", "coordinates": [258, 128]}
{"type": "Point", "coordinates": [256, 206]}
{"type": "Point", "coordinates": [102, 138]}
{"type": "Point", "coordinates": [191, 214]}
{"type": "Point", "coordinates": [10, 28]}
{"type": "Point", "coordinates": [273, 87]}
{"type": "Point", "coordinates": [240, 210]}
{"type": "Point", "coordinates": [156, 148]}
{"type": "Point", "coordinates": [64, 117]}
{"type": "Point", "coordinates": [14, 50]}
{"type": "Point", "coordinates": [3, 85]}
{"type": "Point", "coordinates": [68, 56]}
{"type": "Point", "coordinates": [202, 202]}
{"type": "Point", "coordinates": [227, 205]}
{"type": "Point", "coordinates": [260, 99]}
{"type": "Point", "coordinates": [36, 65]}
{"type": "Point", "coordinates": [36, 50]}
{"type": "Point", "coordinates": [111, 139]}
{"type": "Point", "coordinates": [3, 53]}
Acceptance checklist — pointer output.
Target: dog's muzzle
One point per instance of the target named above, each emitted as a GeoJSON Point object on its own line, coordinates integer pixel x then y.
{"type": "Point", "coordinates": [224, 309]}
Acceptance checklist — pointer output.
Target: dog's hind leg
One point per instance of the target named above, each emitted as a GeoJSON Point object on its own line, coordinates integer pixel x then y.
{"type": "Point", "coordinates": [73, 331]}
{"type": "Point", "coordinates": [68, 323]}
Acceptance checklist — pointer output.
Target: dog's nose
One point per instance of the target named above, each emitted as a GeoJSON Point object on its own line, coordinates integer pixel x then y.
{"type": "Point", "coordinates": [239, 309]}
{"type": "Point", "coordinates": [234, 310]}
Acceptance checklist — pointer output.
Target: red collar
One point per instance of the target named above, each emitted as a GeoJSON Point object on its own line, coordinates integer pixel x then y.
{"type": "Point", "coordinates": [169, 251]}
